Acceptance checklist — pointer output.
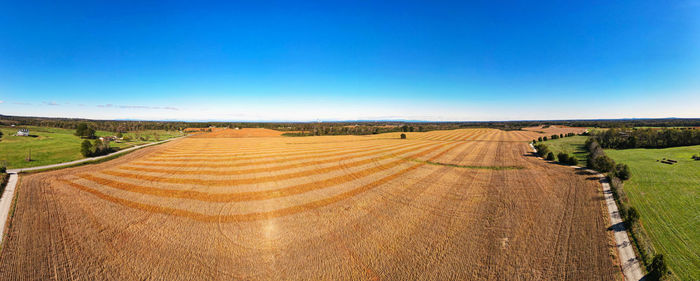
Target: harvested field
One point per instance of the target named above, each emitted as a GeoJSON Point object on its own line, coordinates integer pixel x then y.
{"type": "Point", "coordinates": [239, 133]}
{"type": "Point", "coordinates": [556, 129]}
{"type": "Point", "coordinates": [433, 206]}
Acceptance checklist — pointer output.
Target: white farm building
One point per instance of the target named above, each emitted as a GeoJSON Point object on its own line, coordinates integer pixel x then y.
{"type": "Point", "coordinates": [23, 132]}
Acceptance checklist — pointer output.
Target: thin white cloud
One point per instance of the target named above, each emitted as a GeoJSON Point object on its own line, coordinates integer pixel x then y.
{"type": "Point", "coordinates": [136, 106]}
{"type": "Point", "coordinates": [51, 103]}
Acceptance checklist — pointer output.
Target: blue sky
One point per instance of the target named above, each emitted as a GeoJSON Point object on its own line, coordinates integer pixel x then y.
{"type": "Point", "coordinates": [337, 60]}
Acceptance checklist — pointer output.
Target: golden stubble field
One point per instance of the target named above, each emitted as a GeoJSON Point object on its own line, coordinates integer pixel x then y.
{"type": "Point", "coordinates": [314, 208]}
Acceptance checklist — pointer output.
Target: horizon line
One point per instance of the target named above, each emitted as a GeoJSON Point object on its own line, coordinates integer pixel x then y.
{"type": "Point", "coordinates": [354, 120]}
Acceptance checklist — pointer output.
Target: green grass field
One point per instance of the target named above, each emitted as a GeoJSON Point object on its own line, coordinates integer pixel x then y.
{"type": "Point", "coordinates": [668, 200]}
{"type": "Point", "coordinates": [571, 145]}
{"type": "Point", "coordinates": [55, 145]}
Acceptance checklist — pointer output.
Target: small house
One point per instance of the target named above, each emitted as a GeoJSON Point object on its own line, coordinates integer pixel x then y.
{"type": "Point", "coordinates": [23, 133]}
{"type": "Point", "coordinates": [112, 138]}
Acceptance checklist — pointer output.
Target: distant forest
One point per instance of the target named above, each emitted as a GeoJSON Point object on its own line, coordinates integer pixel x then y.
{"type": "Point", "coordinates": [338, 128]}
{"type": "Point", "coordinates": [647, 137]}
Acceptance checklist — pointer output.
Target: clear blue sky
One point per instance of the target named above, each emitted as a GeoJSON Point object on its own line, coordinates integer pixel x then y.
{"type": "Point", "coordinates": [335, 60]}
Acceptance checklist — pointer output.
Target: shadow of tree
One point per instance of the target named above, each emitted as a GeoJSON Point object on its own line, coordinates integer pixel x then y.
{"type": "Point", "coordinates": [620, 226]}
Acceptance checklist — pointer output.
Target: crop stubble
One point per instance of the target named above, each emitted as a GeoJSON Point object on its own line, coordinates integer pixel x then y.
{"type": "Point", "coordinates": [345, 207]}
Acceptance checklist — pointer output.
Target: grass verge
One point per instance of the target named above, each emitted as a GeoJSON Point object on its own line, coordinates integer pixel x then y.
{"type": "Point", "coordinates": [96, 161]}
{"type": "Point", "coordinates": [11, 215]}
{"type": "Point", "coordinates": [4, 177]}
{"type": "Point", "coordinates": [470, 167]}
{"type": "Point", "coordinates": [575, 145]}
{"type": "Point", "coordinates": [48, 145]}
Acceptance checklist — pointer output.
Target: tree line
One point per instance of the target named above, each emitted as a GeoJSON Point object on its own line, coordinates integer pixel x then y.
{"type": "Point", "coordinates": [647, 137]}
{"type": "Point", "coordinates": [337, 128]}
{"type": "Point", "coordinates": [597, 160]}
{"type": "Point", "coordinates": [617, 174]}
{"type": "Point", "coordinates": [544, 152]}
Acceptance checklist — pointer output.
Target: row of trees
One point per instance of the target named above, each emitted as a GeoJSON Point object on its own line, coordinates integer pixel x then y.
{"type": "Point", "coordinates": [544, 152]}
{"type": "Point", "coordinates": [617, 174]}
{"type": "Point", "coordinates": [647, 138]}
{"type": "Point", "coordinates": [554, 137]}
{"type": "Point", "coordinates": [597, 160]}
{"type": "Point", "coordinates": [85, 131]}
{"type": "Point", "coordinates": [322, 128]}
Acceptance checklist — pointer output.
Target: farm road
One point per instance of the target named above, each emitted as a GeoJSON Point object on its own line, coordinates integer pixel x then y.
{"type": "Point", "coordinates": [629, 262]}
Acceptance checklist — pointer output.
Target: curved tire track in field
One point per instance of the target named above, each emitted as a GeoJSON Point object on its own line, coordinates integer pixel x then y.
{"type": "Point", "coordinates": [628, 259]}
{"type": "Point", "coordinates": [411, 221]}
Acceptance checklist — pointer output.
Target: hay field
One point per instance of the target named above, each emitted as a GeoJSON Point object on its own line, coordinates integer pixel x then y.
{"type": "Point", "coordinates": [314, 208]}
{"type": "Point", "coordinates": [239, 133]}
{"type": "Point", "coordinates": [668, 200]}
{"type": "Point", "coordinates": [555, 130]}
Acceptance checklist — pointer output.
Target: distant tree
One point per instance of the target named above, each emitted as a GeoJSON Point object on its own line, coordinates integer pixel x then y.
{"type": "Point", "coordinates": [403, 136]}
{"type": "Point", "coordinates": [563, 157]}
{"type": "Point", "coordinates": [534, 140]}
{"type": "Point", "coordinates": [98, 146]}
{"type": "Point", "coordinates": [544, 138]}
{"type": "Point", "coordinates": [120, 135]}
{"type": "Point", "coordinates": [550, 156]}
{"type": "Point", "coordinates": [539, 139]}
{"type": "Point", "coordinates": [555, 137]}
{"type": "Point", "coordinates": [79, 131]}
{"type": "Point", "coordinates": [86, 148]}
{"type": "Point", "coordinates": [561, 135]}
{"type": "Point", "coordinates": [622, 171]}
{"type": "Point", "coordinates": [657, 268]}
{"type": "Point", "coordinates": [126, 138]}
{"type": "Point", "coordinates": [0, 134]}
{"type": "Point", "coordinates": [572, 160]}
{"type": "Point", "coordinates": [84, 131]}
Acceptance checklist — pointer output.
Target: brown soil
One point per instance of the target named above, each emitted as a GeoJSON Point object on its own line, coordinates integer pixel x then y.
{"type": "Point", "coordinates": [240, 133]}
{"type": "Point", "coordinates": [315, 208]}
{"type": "Point", "coordinates": [556, 129]}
